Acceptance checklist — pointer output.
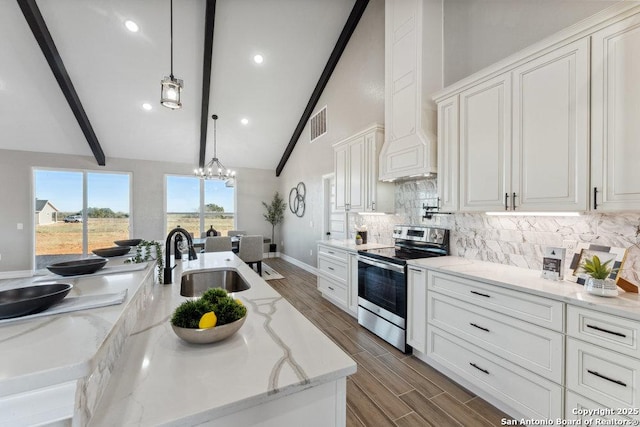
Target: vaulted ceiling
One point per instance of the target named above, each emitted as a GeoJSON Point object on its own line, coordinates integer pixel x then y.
{"type": "Point", "coordinates": [115, 71]}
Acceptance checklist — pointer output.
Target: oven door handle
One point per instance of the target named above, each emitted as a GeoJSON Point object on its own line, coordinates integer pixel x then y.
{"type": "Point", "coordinates": [384, 265]}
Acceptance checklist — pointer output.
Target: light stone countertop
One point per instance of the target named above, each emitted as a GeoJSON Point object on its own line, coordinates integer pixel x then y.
{"type": "Point", "coordinates": [54, 349]}
{"type": "Point", "coordinates": [530, 281]}
{"type": "Point", "coordinates": [160, 379]}
{"type": "Point", "coordinates": [350, 245]}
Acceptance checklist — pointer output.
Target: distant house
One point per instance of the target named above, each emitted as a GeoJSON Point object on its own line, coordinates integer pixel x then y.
{"type": "Point", "coordinates": [46, 213]}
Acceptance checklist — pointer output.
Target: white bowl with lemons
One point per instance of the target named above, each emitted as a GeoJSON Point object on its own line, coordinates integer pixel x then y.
{"type": "Point", "coordinates": [209, 335]}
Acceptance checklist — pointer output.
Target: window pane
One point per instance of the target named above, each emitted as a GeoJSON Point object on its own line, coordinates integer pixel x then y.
{"type": "Point", "coordinates": [107, 209]}
{"type": "Point", "coordinates": [218, 206]}
{"type": "Point", "coordinates": [183, 203]}
{"type": "Point", "coordinates": [58, 216]}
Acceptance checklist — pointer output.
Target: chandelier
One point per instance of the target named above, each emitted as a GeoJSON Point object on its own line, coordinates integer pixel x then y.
{"type": "Point", "coordinates": [171, 88]}
{"type": "Point", "coordinates": [214, 169]}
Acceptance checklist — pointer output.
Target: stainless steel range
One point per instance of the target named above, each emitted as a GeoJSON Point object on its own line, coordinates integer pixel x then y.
{"type": "Point", "coordinates": [382, 284]}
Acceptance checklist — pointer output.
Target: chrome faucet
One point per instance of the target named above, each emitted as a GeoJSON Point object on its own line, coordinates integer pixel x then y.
{"type": "Point", "coordinates": [167, 248]}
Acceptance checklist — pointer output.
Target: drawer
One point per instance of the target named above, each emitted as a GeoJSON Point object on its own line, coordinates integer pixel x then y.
{"type": "Point", "coordinates": [613, 332]}
{"type": "Point", "coordinates": [530, 308]}
{"type": "Point", "coordinates": [335, 269]}
{"type": "Point", "coordinates": [530, 346]}
{"type": "Point", "coordinates": [587, 411]}
{"type": "Point", "coordinates": [332, 252]}
{"type": "Point", "coordinates": [333, 289]}
{"type": "Point", "coordinates": [530, 395]}
{"type": "Point", "coordinates": [604, 376]}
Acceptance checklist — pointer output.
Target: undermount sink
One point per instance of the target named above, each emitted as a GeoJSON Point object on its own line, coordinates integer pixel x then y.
{"type": "Point", "coordinates": [196, 283]}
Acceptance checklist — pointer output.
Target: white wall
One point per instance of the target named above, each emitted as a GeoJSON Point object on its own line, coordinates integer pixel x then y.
{"type": "Point", "coordinates": [148, 189]}
{"type": "Point", "coordinates": [354, 98]}
{"type": "Point", "coordinates": [478, 33]}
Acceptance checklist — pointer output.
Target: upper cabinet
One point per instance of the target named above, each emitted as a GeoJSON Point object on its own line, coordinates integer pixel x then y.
{"type": "Point", "coordinates": [535, 127]}
{"type": "Point", "coordinates": [356, 172]}
{"type": "Point", "coordinates": [411, 28]}
{"type": "Point", "coordinates": [615, 117]}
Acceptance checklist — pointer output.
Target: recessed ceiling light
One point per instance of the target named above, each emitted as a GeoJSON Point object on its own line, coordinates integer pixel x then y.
{"type": "Point", "coordinates": [244, 121]}
{"type": "Point", "coordinates": [147, 106]}
{"type": "Point", "coordinates": [131, 26]}
{"type": "Point", "coordinates": [258, 59]}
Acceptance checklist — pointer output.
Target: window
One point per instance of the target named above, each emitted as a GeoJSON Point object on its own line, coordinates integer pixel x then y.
{"type": "Point", "coordinates": [196, 204]}
{"type": "Point", "coordinates": [76, 212]}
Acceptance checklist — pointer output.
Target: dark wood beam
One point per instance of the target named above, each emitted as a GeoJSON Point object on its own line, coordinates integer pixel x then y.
{"type": "Point", "coordinates": [210, 19]}
{"type": "Point", "coordinates": [40, 31]}
{"type": "Point", "coordinates": [341, 44]}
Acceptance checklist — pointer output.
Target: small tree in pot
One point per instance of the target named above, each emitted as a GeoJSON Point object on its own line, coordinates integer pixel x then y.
{"type": "Point", "coordinates": [274, 216]}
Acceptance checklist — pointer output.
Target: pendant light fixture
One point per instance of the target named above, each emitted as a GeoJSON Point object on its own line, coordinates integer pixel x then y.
{"type": "Point", "coordinates": [214, 169]}
{"type": "Point", "coordinates": [171, 87]}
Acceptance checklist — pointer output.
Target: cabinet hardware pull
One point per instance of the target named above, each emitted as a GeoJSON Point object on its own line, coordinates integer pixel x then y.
{"type": "Point", "coordinates": [513, 202]}
{"type": "Point", "coordinates": [332, 253]}
{"type": "Point", "coordinates": [479, 327]}
{"type": "Point", "coordinates": [373, 206]}
{"type": "Point", "coordinates": [331, 288]}
{"type": "Point", "coordinates": [595, 198]}
{"type": "Point", "coordinates": [482, 295]}
{"type": "Point", "coordinates": [479, 368]}
{"type": "Point", "coordinates": [330, 268]}
{"type": "Point", "coordinates": [606, 378]}
{"type": "Point", "coordinates": [416, 270]}
{"type": "Point", "coordinates": [506, 201]}
{"type": "Point", "coordinates": [597, 328]}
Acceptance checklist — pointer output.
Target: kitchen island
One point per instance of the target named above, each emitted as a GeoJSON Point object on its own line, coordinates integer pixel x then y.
{"type": "Point", "coordinates": [123, 364]}
{"type": "Point", "coordinates": [278, 369]}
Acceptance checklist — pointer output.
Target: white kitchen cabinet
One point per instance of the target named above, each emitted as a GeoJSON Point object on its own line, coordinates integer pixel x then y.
{"type": "Point", "coordinates": [417, 308]}
{"type": "Point", "coordinates": [448, 154]}
{"type": "Point", "coordinates": [485, 145]}
{"type": "Point", "coordinates": [524, 136]}
{"type": "Point", "coordinates": [352, 287]}
{"type": "Point", "coordinates": [615, 128]}
{"type": "Point", "coordinates": [356, 172]}
{"type": "Point", "coordinates": [550, 154]}
{"type": "Point", "coordinates": [338, 277]}
{"type": "Point", "coordinates": [410, 143]}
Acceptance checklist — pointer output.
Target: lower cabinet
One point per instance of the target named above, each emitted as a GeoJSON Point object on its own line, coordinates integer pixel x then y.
{"type": "Point", "coordinates": [531, 395]}
{"type": "Point", "coordinates": [416, 308]}
{"type": "Point", "coordinates": [338, 277]}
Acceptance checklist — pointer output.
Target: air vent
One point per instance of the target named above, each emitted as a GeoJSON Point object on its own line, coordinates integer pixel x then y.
{"type": "Point", "coordinates": [318, 124]}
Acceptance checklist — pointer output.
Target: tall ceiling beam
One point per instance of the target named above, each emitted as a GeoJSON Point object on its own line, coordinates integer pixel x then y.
{"type": "Point", "coordinates": [341, 44]}
{"type": "Point", "coordinates": [40, 31]}
{"type": "Point", "coordinates": [210, 18]}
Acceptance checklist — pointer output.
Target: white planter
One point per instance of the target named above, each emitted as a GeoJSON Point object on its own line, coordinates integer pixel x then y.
{"type": "Point", "coordinates": [601, 287]}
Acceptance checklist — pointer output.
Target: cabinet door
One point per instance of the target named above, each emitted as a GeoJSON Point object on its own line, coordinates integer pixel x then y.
{"type": "Point", "coordinates": [352, 283]}
{"type": "Point", "coordinates": [485, 145]}
{"type": "Point", "coordinates": [356, 173]}
{"type": "Point", "coordinates": [417, 308]}
{"type": "Point", "coordinates": [551, 131]}
{"type": "Point", "coordinates": [341, 157]}
{"type": "Point", "coordinates": [448, 145]}
{"type": "Point", "coordinates": [615, 113]}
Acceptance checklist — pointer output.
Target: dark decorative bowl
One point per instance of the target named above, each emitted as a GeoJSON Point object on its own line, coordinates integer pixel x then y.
{"type": "Point", "coordinates": [31, 299]}
{"type": "Point", "coordinates": [128, 242]}
{"type": "Point", "coordinates": [114, 251]}
{"type": "Point", "coordinates": [78, 267]}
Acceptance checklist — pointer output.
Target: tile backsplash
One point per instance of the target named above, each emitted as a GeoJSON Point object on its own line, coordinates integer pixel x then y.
{"type": "Point", "coordinates": [514, 240]}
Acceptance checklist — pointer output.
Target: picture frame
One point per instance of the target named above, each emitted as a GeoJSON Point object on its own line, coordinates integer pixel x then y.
{"type": "Point", "coordinates": [605, 253]}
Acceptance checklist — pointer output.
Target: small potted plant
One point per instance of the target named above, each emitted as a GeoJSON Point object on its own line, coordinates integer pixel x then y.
{"type": "Point", "coordinates": [598, 281]}
{"type": "Point", "coordinates": [149, 250]}
{"type": "Point", "coordinates": [358, 239]}
{"type": "Point", "coordinates": [274, 216]}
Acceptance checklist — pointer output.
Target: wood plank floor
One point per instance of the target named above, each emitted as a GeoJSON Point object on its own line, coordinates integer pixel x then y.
{"type": "Point", "coordinates": [390, 388]}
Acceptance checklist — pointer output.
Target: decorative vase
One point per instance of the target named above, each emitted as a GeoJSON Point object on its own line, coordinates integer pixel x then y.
{"type": "Point", "coordinates": [358, 241]}
{"type": "Point", "coordinates": [601, 287]}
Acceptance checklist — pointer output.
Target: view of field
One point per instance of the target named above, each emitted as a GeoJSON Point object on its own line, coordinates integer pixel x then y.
{"type": "Point", "coordinates": [66, 238]}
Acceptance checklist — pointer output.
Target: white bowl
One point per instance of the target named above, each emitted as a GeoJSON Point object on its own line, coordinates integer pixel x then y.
{"type": "Point", "coordinates": [209, 335]}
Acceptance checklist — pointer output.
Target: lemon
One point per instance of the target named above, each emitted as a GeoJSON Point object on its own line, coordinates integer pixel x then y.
{"type": "Point", "coordinates": [239, 302]}
{"type": "Point", "coordinates": [208, 320]}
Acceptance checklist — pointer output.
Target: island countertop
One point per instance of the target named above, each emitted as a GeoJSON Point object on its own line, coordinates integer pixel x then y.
{"type": "Point", "coordinates": [160, 379]}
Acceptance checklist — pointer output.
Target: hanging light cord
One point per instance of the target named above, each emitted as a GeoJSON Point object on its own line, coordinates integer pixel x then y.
{"type": "Point", "coordinates": [171, 26]}
{"type": "Point", "coordinates": [215, 119]}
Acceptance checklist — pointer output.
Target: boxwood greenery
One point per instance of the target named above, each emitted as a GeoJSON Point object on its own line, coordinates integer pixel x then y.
{"type": "Point", "coordinates": [227, 310]}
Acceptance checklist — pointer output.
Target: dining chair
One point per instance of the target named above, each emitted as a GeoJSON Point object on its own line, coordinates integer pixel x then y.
{"type": "Point", "coordinates": [217, 244]}
{"type": "Point", "coordinates": [251, 251]}
{"type": "Point", "coordinates": [236, 233]}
